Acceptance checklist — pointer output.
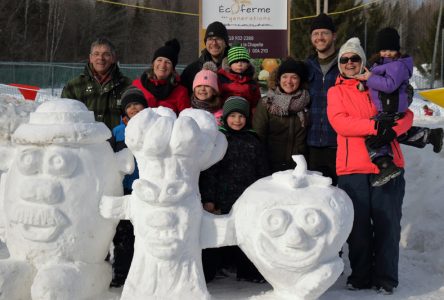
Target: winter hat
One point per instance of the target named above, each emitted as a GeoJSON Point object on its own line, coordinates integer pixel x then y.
{"type": "Point", "coordinates": [353, 45]}
{"type": "Point", "coordinates": [217, 29]}
{"type": "Point", "coordinates": [235, 104]}
{"type": "Point", "coordinates": [207, 76]}
{"type": "Point", "coordinates": [237, 53]}
{"type": "Point", "coordinates": [131, 95]}
{"type": "Point", "coordinates": [322, 21]}
{"type": "Point", "coordinates": [292, 66]}
{"type": "Point", "coordinates": [170, 50]}
{"type": "Point", "coordinates": [388, 39]}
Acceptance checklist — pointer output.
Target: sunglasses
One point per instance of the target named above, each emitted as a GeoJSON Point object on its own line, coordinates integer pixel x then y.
{"type": "Point", "coordinates": [355, 58]}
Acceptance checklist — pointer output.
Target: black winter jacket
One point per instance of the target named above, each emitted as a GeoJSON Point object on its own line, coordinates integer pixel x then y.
{"type": "Point", "coordinates": [243, 164]}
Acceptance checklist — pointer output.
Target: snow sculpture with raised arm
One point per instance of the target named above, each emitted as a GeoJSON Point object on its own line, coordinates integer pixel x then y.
{"type": "Point", "coordinates": [56, 238]}
{"type": "Point", "coordinates": [292, 225]}
{"type": "Point", "coordinates": [165, 206]}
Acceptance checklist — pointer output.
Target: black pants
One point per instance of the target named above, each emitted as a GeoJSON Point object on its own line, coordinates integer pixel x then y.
{"type": "Point", "coordinates": [123, 250]}
{"type": "Point", "coordinates": [374, 239]}
{"type": "Point", "coordinates": [415, 136]}
{"type": "Point", "coordinates": [323, 159]}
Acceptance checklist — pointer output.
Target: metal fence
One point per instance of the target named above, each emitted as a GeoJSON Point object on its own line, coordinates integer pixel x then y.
{"type": "Point", "coordinates": [54, 76]}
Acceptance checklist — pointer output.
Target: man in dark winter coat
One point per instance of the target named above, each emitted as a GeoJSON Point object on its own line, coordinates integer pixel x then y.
{"type": "Point", "coordinates": [323, 70]}
{"type": "Point", "coordinates": [216, 49]}
{"type": "Point", "coordinates": [101, 84]}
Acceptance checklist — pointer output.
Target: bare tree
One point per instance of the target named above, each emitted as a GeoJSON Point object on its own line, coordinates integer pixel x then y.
{"type": "Point", "coordinates": [55, 26]}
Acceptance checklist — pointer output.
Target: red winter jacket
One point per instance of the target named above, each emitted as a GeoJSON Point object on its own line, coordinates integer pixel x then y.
{"type": "Point", "coordinates": [178, 99]}
{"type": "Point", "coordinates": [231, 84]}
{"type": "Point", "coordinates": [349, 111]}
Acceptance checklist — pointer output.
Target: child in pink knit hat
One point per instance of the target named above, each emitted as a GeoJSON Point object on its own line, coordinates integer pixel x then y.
{"type": "Point", "coordinates": [206, 91]}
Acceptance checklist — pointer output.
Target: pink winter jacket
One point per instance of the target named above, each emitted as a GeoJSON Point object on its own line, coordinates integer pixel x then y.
{"type": "Point", "coordinates": [349, 111]}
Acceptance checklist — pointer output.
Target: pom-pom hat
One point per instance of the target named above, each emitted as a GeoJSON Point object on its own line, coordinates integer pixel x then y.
{"type": "Point", "coordinates": [353, 45]}
{"type": "Point", "coordinates": [207, 76]}
{"type": "Point", "coordinates": [170, 50]}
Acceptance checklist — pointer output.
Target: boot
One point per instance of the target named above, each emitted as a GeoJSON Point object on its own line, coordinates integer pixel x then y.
{"type": "Point", "coordinates": [387, 170]}
{"type": "Point", "coordinates": [435, 138]}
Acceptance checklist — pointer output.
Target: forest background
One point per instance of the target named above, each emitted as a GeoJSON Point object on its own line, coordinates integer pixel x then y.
{"type": "Point", "coordinates": [62, 30]}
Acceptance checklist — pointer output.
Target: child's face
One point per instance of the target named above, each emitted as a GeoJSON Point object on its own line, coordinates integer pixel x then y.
{"type": "Point", "coordinates": [388, 53]}
{"type": "Point", "coordinates": [133, 108]}
{"type": "Point", "coordinates": [289, 82]}
{"type": "Point", "coordinates": [203, 92]}
{"type": "Point", "coordinates": [236, 121]}
{"type": "Point", "coordinates": [239, 66]}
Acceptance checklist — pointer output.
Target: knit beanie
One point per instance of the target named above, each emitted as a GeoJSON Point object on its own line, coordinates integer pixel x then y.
{"type": "Point", "coordinates": [237, 53]}
{"type": "Point", "coordinates": [207, 76]}
{"type": "Point", "coordinates": [131, 95]}
{"type": "Point", "coordinates": [235, 104]}
{"type": "Point", "coordinates": [293, 66]}
{"type": "Point", "coordinates": [170, 50]}
{"type": "Point", "coordinates": [353, 45]}
{"type": "Point", "coordinates": [217, 29]}
{"type": "Point", "coordinates": [388, 39]}
{"type": "Point", "coordinates": [322, 21]}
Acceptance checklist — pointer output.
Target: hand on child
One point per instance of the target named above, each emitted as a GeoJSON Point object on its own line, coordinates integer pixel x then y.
{"type": "Point", "coordinates": [364, 76]}
{"type": "Point", "coordinates": [210, 207]}
{"type": "Point", "coordinates": [384, 136]}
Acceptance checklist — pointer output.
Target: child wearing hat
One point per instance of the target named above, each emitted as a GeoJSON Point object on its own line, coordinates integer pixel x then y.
{"type": "Point", "coordinates": [388, 83]}
{"type": "Point", "coordinates": [222, 184]}
{"type": "Point", "coordinates": [236, 77]}
{"type": "Point", "coordinates": [206, 91]}
{"type": "Point", "coordinates": [132, 102]}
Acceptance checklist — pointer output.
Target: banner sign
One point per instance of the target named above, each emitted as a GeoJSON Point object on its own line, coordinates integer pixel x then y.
{"type": "Point", "coordinates": [259, 25]}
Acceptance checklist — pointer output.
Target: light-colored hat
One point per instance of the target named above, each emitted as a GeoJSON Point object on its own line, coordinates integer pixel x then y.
{"type": "Point", "coordinates": [353, 45]}
{"type": "Point", "coordinates": [62, 121]}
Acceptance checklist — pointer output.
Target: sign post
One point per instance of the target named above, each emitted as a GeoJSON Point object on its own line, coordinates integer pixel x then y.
{"type": "Point", "coordinates": [259, 25]}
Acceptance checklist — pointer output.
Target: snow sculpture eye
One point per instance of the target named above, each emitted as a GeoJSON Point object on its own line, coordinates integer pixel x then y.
{"type": "Point", "coordinates": [275, 222]}
{"type": "Point", "coordinates": [29, 161]}
{"type": "Point", "coordinates": [312, 221]}
{"type": "Point", "coordinates": [61, 163]}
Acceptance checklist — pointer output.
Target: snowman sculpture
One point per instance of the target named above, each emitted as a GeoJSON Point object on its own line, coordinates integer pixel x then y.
{"type": "Point", "coordinates": [56, 238]}
{"type": "Point", "coordinates": [292, 225]}
{"type": "Point", "coordinates": [165, 207]}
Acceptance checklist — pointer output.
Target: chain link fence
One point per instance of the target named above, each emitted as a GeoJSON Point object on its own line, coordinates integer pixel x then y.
{"type": "Point", "coordinates": [54, 76]}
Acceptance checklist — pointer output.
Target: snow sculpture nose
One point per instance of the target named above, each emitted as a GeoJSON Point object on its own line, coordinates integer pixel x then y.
{"type": "Point", "coordinates": [296, 238]}
{"type": "Point", "coordinates": [41, 191]}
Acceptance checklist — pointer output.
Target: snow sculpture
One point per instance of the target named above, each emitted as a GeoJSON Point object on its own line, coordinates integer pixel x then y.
{"type": "Point", "coordinates": [292, 225]}
{"type": "Point", "coordinates": [165, 206]}
{"type": "Point", "coordinates": [56, 238]}
{"type": "Point", "coordinates": [13, 112]}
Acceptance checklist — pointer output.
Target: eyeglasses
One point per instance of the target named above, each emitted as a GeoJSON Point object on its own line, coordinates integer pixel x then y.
{"type": "Point", "coordinates": [320, 33]}
{"type": "Point", "coordinates": [215, 39]}
{"type": "Point", "coordinates": [355, 58]}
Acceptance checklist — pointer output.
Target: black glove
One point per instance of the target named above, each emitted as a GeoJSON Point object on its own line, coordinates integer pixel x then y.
{"type": "Point", "coordinates": [384, 136]}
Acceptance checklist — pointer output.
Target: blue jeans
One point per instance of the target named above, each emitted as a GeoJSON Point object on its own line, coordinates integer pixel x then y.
{"type": "Point", "coordinates": [374, 239]}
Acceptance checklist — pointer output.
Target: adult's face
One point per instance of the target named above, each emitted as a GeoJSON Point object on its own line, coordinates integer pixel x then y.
{"type": "Point", "coordinates": [350, 64]}
{"type": "Point", "coordinates": [289, 82]}
{"type": "Point", "coordinates": [215, 46]}
{"type": "Point", "coordinates": [101, 58]}
{"type": "Point", "coordinates": [163, 67]}
{"type": "Point", "coordinates": [323, 40]}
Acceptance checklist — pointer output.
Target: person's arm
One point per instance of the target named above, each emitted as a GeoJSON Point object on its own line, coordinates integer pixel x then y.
{"type": "Point", "coordinates": [395, 74]}
{"type": "Point", "coordinates": [182, 100]}
{"type": "Point", "coordinates": [68, 91]}
{"type": "Point", "coordinates": [260, 121]}
{"type": "Point", "coordinates": [404, 124]}
{"type": "Point", "coordinates": [341, 121]}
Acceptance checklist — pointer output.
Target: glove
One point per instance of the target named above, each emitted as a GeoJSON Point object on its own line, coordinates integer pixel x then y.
{"type": "Point", "coordinates": [384, 136]}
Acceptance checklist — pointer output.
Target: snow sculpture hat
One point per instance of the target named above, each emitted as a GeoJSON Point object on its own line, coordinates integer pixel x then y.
{"type": "Point", "coordinates": [353, 45]}
{"type": "Point", "coordinates": [62, 121]}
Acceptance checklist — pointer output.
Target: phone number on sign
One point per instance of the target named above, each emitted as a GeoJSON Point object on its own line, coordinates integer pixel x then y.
{"type": "Point", "coordinates": [241, 38]}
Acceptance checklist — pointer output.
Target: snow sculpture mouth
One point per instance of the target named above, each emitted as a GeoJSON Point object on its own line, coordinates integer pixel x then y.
{"type": "Point", "coordinates": [38, 224]}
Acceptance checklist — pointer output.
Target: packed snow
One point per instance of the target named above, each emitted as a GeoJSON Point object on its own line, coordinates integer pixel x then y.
{"type": "Point", "coordinates": [421, 266]}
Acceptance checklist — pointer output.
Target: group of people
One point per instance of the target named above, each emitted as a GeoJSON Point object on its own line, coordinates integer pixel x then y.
{"type": "Point", "coordinates": [346, 119]}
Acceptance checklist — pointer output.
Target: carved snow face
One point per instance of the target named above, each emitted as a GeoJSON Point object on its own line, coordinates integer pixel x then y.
{"type": "Point", "coordinates": [52, 196]}
{"type": "Point", "coordinates": [291, 236]}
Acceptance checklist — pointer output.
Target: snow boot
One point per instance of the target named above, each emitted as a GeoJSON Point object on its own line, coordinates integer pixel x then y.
{"type": "Point", "coordinates": [387, 170]}
{"type": "Point", "coordinates": [435, 138]}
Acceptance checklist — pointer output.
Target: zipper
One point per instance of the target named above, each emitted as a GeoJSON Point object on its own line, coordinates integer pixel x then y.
{"type": "Point", "coordinates": [346, 152]}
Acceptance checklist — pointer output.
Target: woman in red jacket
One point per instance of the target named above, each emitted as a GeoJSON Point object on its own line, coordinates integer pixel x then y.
{"type": "Point", "coordinates": [160, 84]}
{"type": "Point", "coordinates": [374, 240]}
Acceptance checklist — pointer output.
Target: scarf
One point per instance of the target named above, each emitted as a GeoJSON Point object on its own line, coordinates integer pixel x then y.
{"type": "Point", "coordinates": [281, 104]}
{"type": "Point", "coordinates": [211, 105]}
